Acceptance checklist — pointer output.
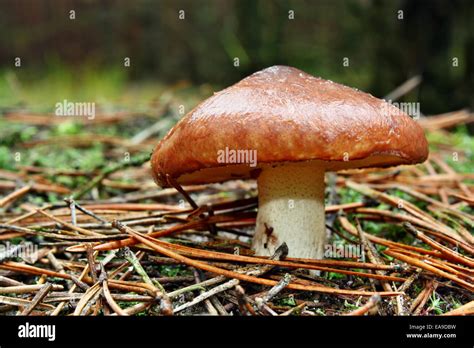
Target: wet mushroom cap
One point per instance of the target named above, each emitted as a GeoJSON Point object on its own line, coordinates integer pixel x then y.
{"type": "Point", "coordinates": [287, 115]}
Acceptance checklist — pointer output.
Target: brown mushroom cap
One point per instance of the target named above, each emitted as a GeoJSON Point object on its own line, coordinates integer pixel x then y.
{"type": "Point", "coordinates": [287, 115]}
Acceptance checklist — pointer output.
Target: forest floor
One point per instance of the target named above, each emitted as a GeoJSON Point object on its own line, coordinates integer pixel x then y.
{"type": "Point", "coordinates": [86, 231]}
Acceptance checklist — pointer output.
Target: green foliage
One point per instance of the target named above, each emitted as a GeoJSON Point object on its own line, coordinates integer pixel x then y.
{"type": "Point", "coordinates": [6, 158]}
{"type": "Point", "coordinates": [334, 275]}
{"type": "Point", "coordinates": [320, 311]}
{"type": "Point", "coordinates": [286, 301]}
{"type": "Point", "coordinates": [55, 82]}
{"type": "Point", "coordinates": [348, 195]}
{"type": "Point", "coordinates": [350, 306]}
{"type": "Point", "coordinates": [173, 271]}
{"type": "Point", "coordinates": [437, 304]}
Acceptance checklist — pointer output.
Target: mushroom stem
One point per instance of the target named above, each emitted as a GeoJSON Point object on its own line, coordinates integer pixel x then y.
{"type": "Point", "coordinates": [291, 210]}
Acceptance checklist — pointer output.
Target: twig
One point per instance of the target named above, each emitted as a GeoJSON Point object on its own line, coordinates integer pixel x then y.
{"type": "Point", "coordinates": [204, 266]}
{"type": "Point", "coordinates": [73, 204]}
{"type": "Point", "coordinates": [467, 309]}
{"type": "Point", "coordinates": [404, 88]}
{"type": "Point", "coordinates": [37, 299]}
{"type": "Point", "coordinates": [430, 268]}
{"type": "Point", "coordinates": [108, 296]}
{"type": "Point", "coordinates": [279, 253]}
{"type": "Point", "coordinates": [449, 254]}
{"type": "Point", "coordinates": [283, 283]}
{"type": "Point", "coordinates": [369, 305]}
{"type": "Point", "coordinates": [24, 289]}
{"type": "Point", "coordinates": [178, 188]}
{"type": "Point", "coordinates": [14, 196]}
{"type": "Point", "coordinates": [243, 301]}
{"type": "Point", "coordinates": [21, 302]}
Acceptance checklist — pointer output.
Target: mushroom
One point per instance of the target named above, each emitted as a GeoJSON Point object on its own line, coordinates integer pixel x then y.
{"type": "Point", "coordinates": [299, 126]}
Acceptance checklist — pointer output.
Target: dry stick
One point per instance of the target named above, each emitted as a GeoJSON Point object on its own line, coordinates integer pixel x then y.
{"type": "Point", "coordinates": [81, 285]}
{"type": "Point", "coordinates": [73, 204]}
{"type": "Point", "coordinates": [178, 188]}
{"type": "Point", "coordinates": [91, 294]}
{"type": "Point", "coordinates": [218, 306]}
{"type": "Point", "coordinates": [41, 294]}
{"type": "Point", "coordinates": [151, 242]}
{"type": "Point", "coordinates": [394, 245]}
{"type": "Point", "coordinates": [209, 306]}
{"type": "Point", "coordinates": [374, 258]}
{"type": "Point", "coordinates": [449, 267]}
{"type": "Point", "coordinates": [61, 305]}
{"type": "Point", "coordinates": [24, 216]}
{"type": "Point", "coordinates": [72, 207]}
{"type": "Point", "coordinates": [461, 230]}
{"type": "Point", "coordinates": [22, 303]}
{"type": "Point", "coordinates": [19, 267]}
{"type": "Point", "coordinates": [449, 254]}
{"type": "Point", "coordinates": [281, 252]}
{"type": "Point", "coordinates": [111, 302]}
{"type": "Point", "coordinates": [432, 269]}
{"type": "Point", "coordinates": [248, 259]}
{"type": "Point", "coordinates": [142, 288]}
{"type": "Point", "coordinates": [64, 296]}
{"type": "Point", "coordinates": [467, 309]}
{"type": "Point", "coordinates": [7, 200]}
{"type": "Point", "coordinates": [430, 288]}
{"type": "Point", "coordinates": [91, 254]}
{"type": "Point", "coordinates": [419, 195]}
{"type": "Point", "coordinates": [370, 304]}
{"type": "Point", "coordinates": [205, 295]}
{"type": "Point", "coordinates": [166, 306]}
{"type": "Point", "coordinates": [10, 282]}
{"type": "Point", "coordinates": [57, 265]}
{"type": "Point", "coordinates": [381, 241]}
{"type": "Point", "coordinates": [418, 298]}
{"type": "Point", "coordinates": [283, 283]}
{"type": "Point", "coordinates": [37, 187]}
{"type": "Point", "coordinates": [133, 260]}
{"type": "Point", "coordinates": [468, 200]}
{"type": "Point", "coordinates": [175, 229]}
{"type": "Point", "coordinates": [404, 88]}
{"type": "Point", "coordinates": [412, 219]}
{"type": "Point", "coordinates": [71, 226]}
{"type": "Point", "coordinates": [25, 289]}
{"type": "Point", "coordinates": [309, 264]}
{"type": "Point", "coordinates": [244, 303]}
{"type": "Point", "coordinates": [406, 285]}
{"type": "Point", "coordinates": [193, 224]}
{"type": "Point", "coordinates": [393, 201]}
{"type": "Point", "coordinates": [466, 247]}
{"type": "Point", "coordinates": [295, 262]}
{"type": "Point", "coordinates": [54, 262]}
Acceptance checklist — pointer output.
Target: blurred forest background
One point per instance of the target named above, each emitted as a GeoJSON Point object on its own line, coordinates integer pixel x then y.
{"type": "Point", "coordinates": [59, 54]}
